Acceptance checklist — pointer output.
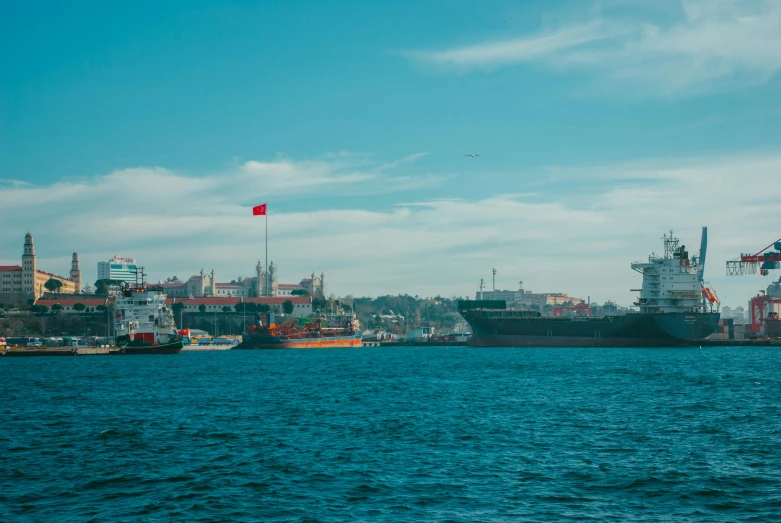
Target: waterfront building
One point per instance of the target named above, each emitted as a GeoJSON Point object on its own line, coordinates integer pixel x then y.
{"type": "Point", "coordinates": [302, 305]}
{"type": "Point", "coordinates": [263, 284]}
{"type": "Point", "coordinates": [21, 282]}
{"type": "Point", "coordinates": [118, 268]}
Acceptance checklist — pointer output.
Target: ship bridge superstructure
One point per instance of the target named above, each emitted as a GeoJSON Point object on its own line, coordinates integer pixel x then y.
{"type": "Point", "coordinates": [671, 282]}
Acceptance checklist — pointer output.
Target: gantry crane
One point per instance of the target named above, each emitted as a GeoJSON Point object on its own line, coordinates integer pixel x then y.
{"type": "Point", "coordinates": [766, 304]}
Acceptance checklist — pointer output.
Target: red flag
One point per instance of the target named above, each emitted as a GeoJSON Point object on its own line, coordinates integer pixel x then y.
{"type": "Point", "coordinates": [259, 210]}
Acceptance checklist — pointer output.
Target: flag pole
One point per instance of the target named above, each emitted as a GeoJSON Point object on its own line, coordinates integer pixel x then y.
{"type": "Point", "coordinates": [266, 286]}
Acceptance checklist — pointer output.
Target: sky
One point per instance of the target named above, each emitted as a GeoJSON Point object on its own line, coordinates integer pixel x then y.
{"type": "Point", "coordinates": [150, 129]}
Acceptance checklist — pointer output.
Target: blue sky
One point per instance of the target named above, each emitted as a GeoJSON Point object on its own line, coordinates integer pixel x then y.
{"type": "Point", "coordinates": [148, 130]}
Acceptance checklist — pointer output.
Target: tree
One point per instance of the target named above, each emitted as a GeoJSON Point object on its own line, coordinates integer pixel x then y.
{"type": "Point", "coordinates": [57, 307]}
{"type": "Point", "coordinates": [78, 307]}
{"type": "Point", "coordinates": [262, 307]}
{"type": "Point", "coordinates": [53, 285]}
{"type": "Point", "coordinates": [226, 308]}
{"type": "Point", "coordinates": [318, 303]}
{"type": "Point", "coordinates": [300, 292]}
{"type": "Point", "coordinates": [101, 308]}
{"type": "Point", "coordinates": [177, 307]}
{"type": "Point", "coordinates": [101, 289]}
{"type": "Point", "coordinates": [288, 307]}
{"type": "Point", "coordinates": [39, 309]}
{"type": "Point", "coordinates": [202, 307]}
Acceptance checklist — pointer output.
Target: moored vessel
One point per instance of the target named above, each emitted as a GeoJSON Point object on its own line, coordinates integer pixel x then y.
{"type": "Point", "coordinates": [143, 323]}
{"type": "Point", "coordinates": [317, 334]}
{"type": "Point", "coordinates": [201, 343]}
{"type": "Point", "coordinates": [673, 308]}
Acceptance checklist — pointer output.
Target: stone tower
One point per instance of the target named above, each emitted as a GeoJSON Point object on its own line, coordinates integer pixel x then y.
{"type": "Point", "coordinates": [203, 285]}
{"type": "Point", "coordinates": [259, 281]}
{"type": "Point", "coordinates": [213, 284]}
{"type": "Point", "coordinates": [272, 276]}
{"type": "Point", "coordinates": [76, 272]}
{"type": "Point", "coordinates": [29, 265]}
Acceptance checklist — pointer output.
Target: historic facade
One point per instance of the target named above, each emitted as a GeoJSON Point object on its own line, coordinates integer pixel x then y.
{"type": "Point", "coordinates": [263, 284]}
{"type": "Point", "coordinates": [21, 282]}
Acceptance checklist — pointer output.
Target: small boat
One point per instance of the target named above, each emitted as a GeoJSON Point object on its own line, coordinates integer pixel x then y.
{"type": "Point", "coordinates": [208, 343]}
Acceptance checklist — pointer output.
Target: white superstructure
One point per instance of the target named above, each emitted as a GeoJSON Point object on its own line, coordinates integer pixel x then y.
{"type": "Point", "coordinates": [141, 313]}
{"type": "Point", "coordinates": [671, 283]}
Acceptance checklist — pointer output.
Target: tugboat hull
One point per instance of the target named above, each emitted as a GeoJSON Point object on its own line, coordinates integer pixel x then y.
{"type": "Point", "coordinates": [164, 348]}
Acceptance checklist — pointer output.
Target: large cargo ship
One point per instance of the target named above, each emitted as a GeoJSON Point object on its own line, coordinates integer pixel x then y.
{"type": "Point", "coordinates": [675, 308]}
{"type": "Point", "coordinates": [143, 323]}
{"type": "Point", "coordinates": [317, 334]}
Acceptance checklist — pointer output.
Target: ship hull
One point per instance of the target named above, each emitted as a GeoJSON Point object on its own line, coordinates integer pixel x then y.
{"type": "Point", "coordinates": [500, 329]}
{"type": "Point", "coordinates": [197, 347]}
{"type": "Point", "coordinates": [261, 341]}
{"type": "Point", "coordinates": [164, 348]}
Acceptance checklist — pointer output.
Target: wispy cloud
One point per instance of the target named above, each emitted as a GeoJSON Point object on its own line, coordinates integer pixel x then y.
{"type": "Point", "coordinates": [710, 45]}
{"type": "Point", "coordinates": [578, 241]}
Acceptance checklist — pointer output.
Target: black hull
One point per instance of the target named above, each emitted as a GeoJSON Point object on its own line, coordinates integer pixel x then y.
{"type": "Point", "coordinates": [166, 348]}
{"type": "Point", "coordinates": [509, 329]}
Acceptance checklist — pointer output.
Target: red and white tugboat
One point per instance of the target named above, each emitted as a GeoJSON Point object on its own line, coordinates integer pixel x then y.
{"type": "Point", "coordinates": [144, 324]}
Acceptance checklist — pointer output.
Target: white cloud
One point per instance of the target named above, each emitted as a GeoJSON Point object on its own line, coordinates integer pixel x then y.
{"type": "Point", "coordinates": [580, 242]}
{"type": "Point", "coordinates": [711, 45]}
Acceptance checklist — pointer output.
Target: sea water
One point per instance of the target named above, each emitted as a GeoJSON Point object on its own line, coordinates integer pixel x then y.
{"type": "Point", "coordinates": [394, 434]}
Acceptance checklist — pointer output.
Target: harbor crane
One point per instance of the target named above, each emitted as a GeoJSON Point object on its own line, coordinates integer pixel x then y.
{"type": "Point", "coordinates": [765, 305]}
{"type": "Point", "coordinates": [763, 261]}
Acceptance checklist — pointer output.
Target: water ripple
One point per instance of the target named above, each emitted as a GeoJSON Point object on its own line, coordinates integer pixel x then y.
{"type": "Point", "coordinates": [435, 434]}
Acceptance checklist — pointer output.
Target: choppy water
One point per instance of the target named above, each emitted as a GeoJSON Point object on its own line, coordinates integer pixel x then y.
{"type": "Point", "coordinates": [434, 434]}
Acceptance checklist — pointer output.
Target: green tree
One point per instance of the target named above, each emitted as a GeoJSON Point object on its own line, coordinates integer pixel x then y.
{"type": "Point", "coordinates": [57, 307]}
{"type": "Point", "coordinates": [202, 307]}
{"type": "Point", "coordinates": [226, 308]}
{"type": "Point", "coordinates": [300, 292]}
{"type": "Point", "coordinates": [101, 289]}
{"type": "Point", "coordinates": [101, 308]}
{"type": "Point", "coordinates": [39, 309]}
{"type": "Point", "coordinates": [262, 307]}
{"type": "Point", "coordinates": [53, 285]}
{"type": "Point", "coordinates": [287, 307]}
{"type": "Point", "coordinates": [78, 307]}
{"type": "Point", "coordinates": [318, 303]}
{"type": "Point", "coordinates": [177, 307]}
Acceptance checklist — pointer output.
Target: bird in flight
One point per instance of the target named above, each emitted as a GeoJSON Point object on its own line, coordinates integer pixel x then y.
{"type": "Point", "coordinates": [472, 155]}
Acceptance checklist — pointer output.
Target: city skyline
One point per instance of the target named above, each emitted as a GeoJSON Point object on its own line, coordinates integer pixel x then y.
{"type": "Point", "coordinates": [599, 128]}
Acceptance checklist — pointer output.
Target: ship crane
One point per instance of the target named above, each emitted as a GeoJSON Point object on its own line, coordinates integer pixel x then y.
{"type": "Point", "coordinates": [764, 305]}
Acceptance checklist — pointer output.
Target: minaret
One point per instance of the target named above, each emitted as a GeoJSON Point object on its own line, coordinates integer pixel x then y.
{"type": "Point", "coordinates": [259, 281]}
{"type": "Point", "coordinates": [272, 276]}
{"type": "Point", "coordinates": [76, 272]}
{"type": "Point", "coordinates": [213, 284]}
{"type": "Point", "coordinates": [322, 284]}
{"type": "Point", "coordinates": [29, 266]}
{"type": "Point", "coordinates": [203, 285]}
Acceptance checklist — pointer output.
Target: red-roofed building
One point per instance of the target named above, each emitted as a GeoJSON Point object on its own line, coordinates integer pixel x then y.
{"type": "Point", "coordinates": [68, 303]}
{"type": "Point", "coordinates": [302, 305]}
